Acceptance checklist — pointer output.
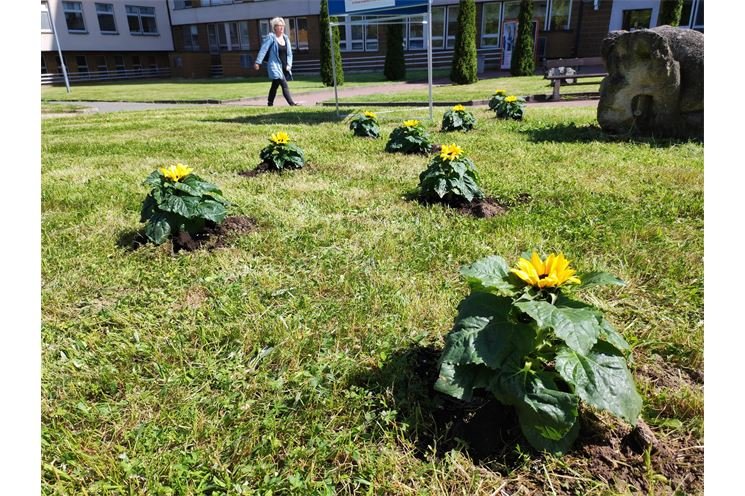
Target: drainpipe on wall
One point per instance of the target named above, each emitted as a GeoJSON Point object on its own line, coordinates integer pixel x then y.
{"type": "Point", "coordinates": [579, 28]}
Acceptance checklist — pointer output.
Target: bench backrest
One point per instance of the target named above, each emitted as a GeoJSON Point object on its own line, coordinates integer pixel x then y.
{"type": "Point", "coordinates": [579, 62]}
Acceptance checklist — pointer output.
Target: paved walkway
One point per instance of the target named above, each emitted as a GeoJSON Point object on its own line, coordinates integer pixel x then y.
{"type": "Point", "coordinates": [306, 99]}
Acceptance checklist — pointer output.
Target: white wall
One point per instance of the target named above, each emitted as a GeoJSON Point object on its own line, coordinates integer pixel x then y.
{"type": "Point", "coordinates": [93, 40]}
{"type": "Point", "coordinates": [616, 16]}
{"type": "Point", "coordinates": [244, 11]}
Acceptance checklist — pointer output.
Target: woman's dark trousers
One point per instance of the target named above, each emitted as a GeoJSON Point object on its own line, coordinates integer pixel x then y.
{"type": "Point", "coordinates": [285, 91]}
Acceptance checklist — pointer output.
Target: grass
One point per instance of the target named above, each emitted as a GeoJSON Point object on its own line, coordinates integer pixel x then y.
{"type": "Point", "coordinates": [201, 89]}
{"type": "Point", "coordinates": [282, 364]}
{"type": "Point", "coordinates": [61, 108]}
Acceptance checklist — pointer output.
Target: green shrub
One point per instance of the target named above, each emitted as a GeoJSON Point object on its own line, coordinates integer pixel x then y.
{"type": "Point", "coordinates": [327, 51]}
{"type": "Point", "coordinates": [670, 12]}
{"type": "Point", "coordinates": [450, 178]}
{"type": "Point", "coordinates": [365, 125]}
{"type": "Point", "coordinates": [458, 119]}
{"type": "Point", "coordinates": [409, 137]}
{"type": "Point", "coordinates": [395, 66]}
{"type": "Point", "coordinates": [179, 201]}
{"type": "Point", "coordinates": [523, 58]}
{"type": "Point", "coordinates": [509, 107]}
{"type": "Point", "coordinates": [496, 99]}
{"type": "Point", "coordinates": [464, 68]}
{"type": "Point", "coordinates": [280, 154]}
{"type": "Point", "coordinates": [518, 336]}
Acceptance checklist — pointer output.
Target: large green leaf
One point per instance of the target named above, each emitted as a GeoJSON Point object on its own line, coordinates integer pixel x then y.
{"type": "Point", "coordinates": [154, 179]}
{"type": "Point", "coordinates": [610, 335]}
{"type": "Point", "coordinates": [490, 274]}
{"type": "Point", "coordinates": [549, 411]}
{"type": "Point", "coordinates": [557, 447]}
{"type": "Point", "coordinates": [185, 206]}
{"type": "Point", "coordinates": [158, 228]}
{"type": "Point", "coordinates": [601, 379]}
{"type": "Point", "coordinates": [483, 333]}
{"type": "Point", "coordinates": [598, 278]}
{"type": "Point", "coordinates": [148, 208]}
{"type": "Point", "coordinates": [459, 381]}
{"type": "Point", "coordinates": [578, 327]}
{"type": "Point", "coordinates": [212, 210]}
{"type": "Point", "coordinates": [192, 189]}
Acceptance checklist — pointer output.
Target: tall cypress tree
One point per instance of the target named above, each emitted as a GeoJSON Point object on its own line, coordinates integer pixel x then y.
{"type": "Point", "coordinates": [327, 69]}
{"type": "Point", "coordinates": [464, 69]}
{"type": "Point", "coordinates": [395, 68]}
{"type": "Point", "coordinates": [670, 12]}
{"type": "Point", "coordinates": [523, 59]}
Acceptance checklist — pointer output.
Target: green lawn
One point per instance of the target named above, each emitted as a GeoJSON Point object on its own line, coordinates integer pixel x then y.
{"type": "Point", "coordinates": [481, 90]}
{"type": "Point", "coordinates": [289, 362]}
{"type": "Point", "coordinates": [201, 89]}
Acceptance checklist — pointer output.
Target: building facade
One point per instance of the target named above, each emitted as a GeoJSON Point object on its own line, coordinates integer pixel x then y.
{"type": "Point", "coordinates": [100, 40]}
{"type": "Point", "coordinates": [222, 37]}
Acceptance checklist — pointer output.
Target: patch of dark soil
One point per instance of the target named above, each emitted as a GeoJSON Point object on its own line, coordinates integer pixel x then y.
{"type": "Point", "coordinates": [665, 374]}
{"type": "Point", "coordinates": [214, 235]}
{"type": "Point", "coordinates": [264, 168]}
{"type": "Point", "coordinates": [483, 209]}
{"type": "Point", "coordinates": [636, 460]}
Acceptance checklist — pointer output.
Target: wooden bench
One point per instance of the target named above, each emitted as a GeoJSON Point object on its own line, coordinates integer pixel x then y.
{"type": "Point", "coordinates": [575, 64]}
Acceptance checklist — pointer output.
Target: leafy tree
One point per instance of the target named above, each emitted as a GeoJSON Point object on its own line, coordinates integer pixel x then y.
{"type": "Point", "coordinates": [670, 12]}
{"type": "Point", "coordinates": [327, 70]}
{"type": "Point", "coordinates": [395, 68]}
{"type": "Point", "coordinates": [464, 69]}
{"type": "Point", "coordinates": [523, 60]}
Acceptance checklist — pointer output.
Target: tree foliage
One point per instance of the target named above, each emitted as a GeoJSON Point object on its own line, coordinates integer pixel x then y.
{"type": "Point", "coordinates": [464, 69]}
{"type": "Point", "coordinates": [395, 67]}
{"type": "Point", "coordinates": [670, 12]}
{"type": "Point", "coordinates": [523, 59]}
{"type": "Point", "coordinates": [327, 67]}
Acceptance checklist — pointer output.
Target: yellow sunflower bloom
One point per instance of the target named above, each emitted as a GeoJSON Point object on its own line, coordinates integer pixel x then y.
{"type": "Point", "coordinates": [175, 172]}
{"type": "Point", "coordinates": [549, 273]}
{"type": "Point", "coordinates": [450, 152]}
{"type": "Point", "coordinates": [411, 123]}
{"type": "Point", "coordinates": [280, 138]}
{"type": "Point", "coordinates": [459, 108]}
{"type": "Point", "coordinates": [500, 92]}
{"type": "Point", "coordinates": [510, 99]}
{"type": "Point", "coordinates": [370, 114]}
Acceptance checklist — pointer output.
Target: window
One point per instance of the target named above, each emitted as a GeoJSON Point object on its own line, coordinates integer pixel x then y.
{"type": "Point", "coordinates": [358, 35]}
{"type": "Point", "coordinates": [182, 4]}
{"type": "Point", "coordinates": [136, 63]}
{"type": "Point", "coordinates": [101, 63]}
{"type": "Point", "coordinates": [298, 33]}
{"type": "Point", "coordinates": [82, 64]}
{"type": "Point", "coordinates": [228, 36]}
{"type": "Point", "coordinates": [490, 24]}
{"type": "Point", "coordinates": [191, 37]}
{"type": "Point", "coordinates": [511, 10]}
{"type": "Point", "coordinates": [264, 28]}
{"type": "Point", "coordinates": [356, 41]}
{"type": "Point", "coordinates": [452, 25]}
{"type": "Point", "coordinates": [151, 62]}
{"type": "Point", "coordinates": [119, 63]}
{"type": "Point", "coordinates": [246, 61]}
{"type": "Point", "coordinates": [636, 19]}
{"type": "Point", "coordinates": [141, 20]}
{"type": "Point", "coordinates": [540, 8]}
{"type": "Point", "coordinates": [414, 33]}
{"type": "Point", "coordinates": [438, 26]}
{"type": "Point", "coordinates": [560, 14]}
{"type": "Point", "coordinates": [245, 41]}
{"type": "Point", "coordinates": [698, 23]}
{"type": "Point", "coordinates": [74, 16]}
{"type": "Point", "coordinates": [43, 66]}
{"type": "Point", "coordinates": [105, 13]}
{"type": "Point", "coordinates": [46, 22]}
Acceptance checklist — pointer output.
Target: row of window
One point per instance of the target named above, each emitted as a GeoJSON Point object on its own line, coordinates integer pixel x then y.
{"type": "Point", "coordinates": [103, 63]}
{"type": "Point", "coordinates": [228, 36]}
{"type": "Point", "coordinates": [140, 20]}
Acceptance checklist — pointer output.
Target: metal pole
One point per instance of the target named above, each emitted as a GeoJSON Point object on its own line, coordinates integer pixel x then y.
{"type": "Point", "coordinates": [59, 49]}
{"type": "Point", "coordinates": [429, 54]}
{"type": "Point", "coordinates": [333, 64]}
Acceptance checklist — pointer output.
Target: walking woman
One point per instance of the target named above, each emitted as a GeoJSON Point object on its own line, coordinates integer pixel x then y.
{"type": "Point", "coordinates": [279, 60]}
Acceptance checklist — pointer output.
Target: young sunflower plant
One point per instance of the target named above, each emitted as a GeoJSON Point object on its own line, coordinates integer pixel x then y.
{"type": "Point", "coordinates": [365, 125]}
{"type": "Point", "coordinates": [520, 337]}
{"type": "Point", "coordinates": [450, 178]}
{"type": "Point", "coordinates": [179, 201]}
{"type": "Point", "coordinates": [409, 137]}
{"type": "Point", "coordinates": [496, 99]}
{"type": "Point", "coordinates": [280, 154]}
{"type": "Point", "coordinates": [458, 119]}
{"type": "Point", "coordinates": [511, 107]}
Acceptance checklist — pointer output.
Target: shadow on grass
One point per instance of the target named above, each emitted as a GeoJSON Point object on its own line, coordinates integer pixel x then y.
{"type": "Point", "coordinates": [483, 428]}
{"type": "Point", "coordinates": [572, 133]}
{"type": "Point", "coordinates": [288, 117]}
{"type": "Point", "coordinates": [131, 239]}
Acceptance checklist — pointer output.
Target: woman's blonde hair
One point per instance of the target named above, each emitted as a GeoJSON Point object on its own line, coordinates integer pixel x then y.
{"type": "Point", "coordinates": [277, 20]}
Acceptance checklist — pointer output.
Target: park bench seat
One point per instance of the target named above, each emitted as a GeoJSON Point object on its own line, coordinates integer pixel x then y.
{"type": "Point", "coordinates": [576, 64]}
